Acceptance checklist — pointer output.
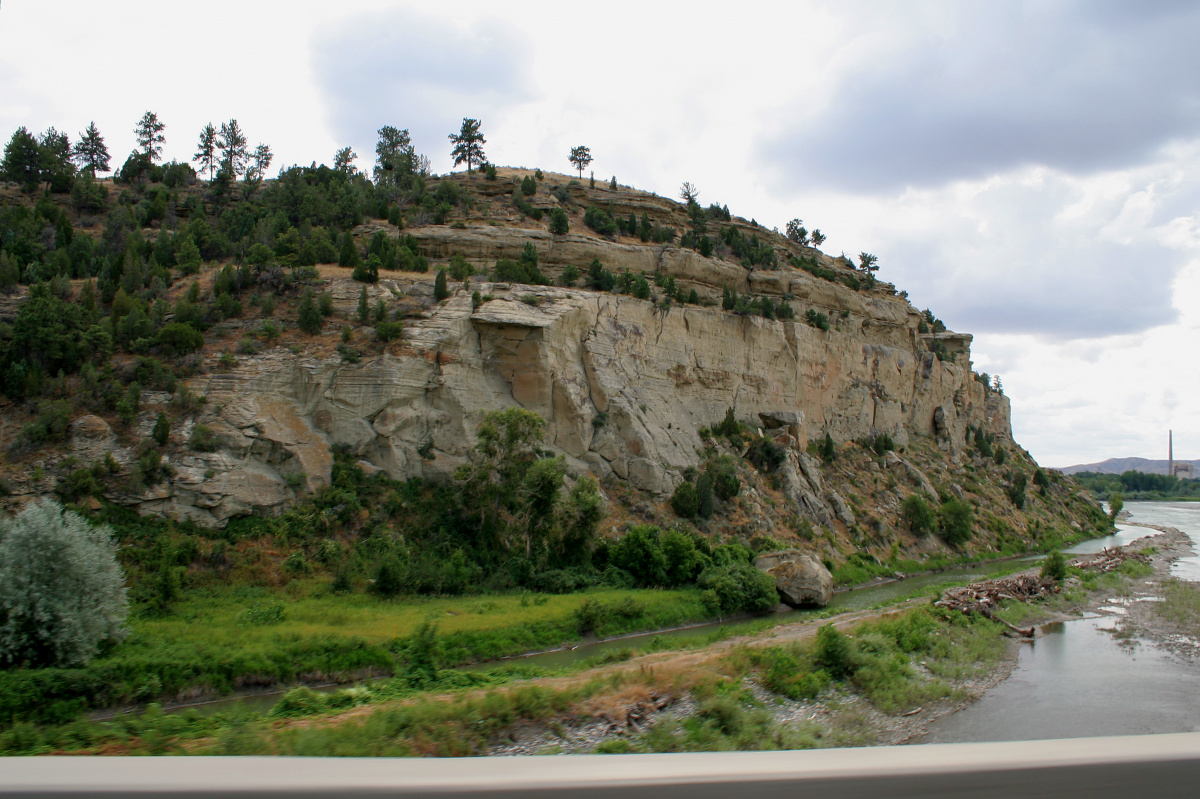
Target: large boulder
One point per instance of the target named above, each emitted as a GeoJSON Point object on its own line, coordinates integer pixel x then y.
{"type": "Point", "coordinates": [800, 578]}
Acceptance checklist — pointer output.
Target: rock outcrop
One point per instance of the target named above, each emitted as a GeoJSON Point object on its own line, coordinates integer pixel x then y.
{"type": "Point", "coordinates": [626, 385]}
{"type": "Point", "coordinates": [801, 578]}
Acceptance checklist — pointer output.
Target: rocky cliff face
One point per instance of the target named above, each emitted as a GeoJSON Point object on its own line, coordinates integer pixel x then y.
{"type": "Point", "coordinates": [626, 385]}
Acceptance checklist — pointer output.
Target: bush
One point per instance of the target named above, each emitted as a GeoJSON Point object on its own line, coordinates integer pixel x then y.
{"type": "Point", "coordinates": [726, 483]}
{"type": "Point", "coordinates": [835, 651]}
{"type": "Point", "coordinates": [765, 454]}
{"type": "Point", "coordinates": [685, 501]}
{"type": "Point", "coordinates": [918, 514]}
{"type": "Point", "coordinates": [737, 587]}
{"type": "Point", "coordinates": [388, 331]}
{"type": "Point", "coordinates": [62, 592]}
{"type": "Point", "coordinates": [1055, 566]}
{"type": "Point", "coordinates": [640, 553]}
{"type": "Point", "coordinates": [600, 221]}
{"type": "Point", "coordinates": [179, 338]}
{"type": "Point", "coordinates": [203, 440]}
{"type": "Point", "coordinates": [1016, 490]}
{"type": "Point", "coordinates": [955, 518]}
{"type": "Point", "coordinates": [519, 272]}
{"type": "Point", "coordinates": [559, 224]}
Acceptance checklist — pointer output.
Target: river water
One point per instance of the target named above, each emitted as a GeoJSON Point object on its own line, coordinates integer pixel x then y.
{"type": "Point", "coordinates": [1081, 680]}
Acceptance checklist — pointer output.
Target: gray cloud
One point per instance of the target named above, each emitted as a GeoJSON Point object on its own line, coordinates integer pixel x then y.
{"type": "Point", "coordinates": [1080, 85]}
{"type": "Point", "coordinates": [397, 68]}
{"type": "Point", "coordinates": [1026, 269]}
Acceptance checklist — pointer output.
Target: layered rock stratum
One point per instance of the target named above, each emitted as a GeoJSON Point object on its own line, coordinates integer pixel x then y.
{"type": "Point", "coordinates": [628, 387]}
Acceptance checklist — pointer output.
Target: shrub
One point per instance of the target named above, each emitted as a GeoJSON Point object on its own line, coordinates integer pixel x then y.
{"type": "Point", "coordinates": [736, 587]}
{"type": "Point", "coordinates": [389, 331]}
{"type": "Point", "coordinates": [203, 440]}
{"type": "Point", "coordinates": [955, 518]}
{"type": "Point", "coordinates": [519, 272]}
{"type": "Point", "coordinates": [704, 495]}
{"type": "Point", "coordinates": [765, 454]}
{"type": "Point", "coordinates": [308, 315]}
{"type": "Point", "coordinates": [558, 222]}
{"type": "Point", "coordinates": [726, 483]}
{"type": "Point", "coordinates": [816, 319]}
{"type": "Point", "coordinates": [459, 268]}
{"type": "Point", "coordinates": [600, 221]}
{"type": "Point", "coordinates": [1055, 566]}
{"type": "Point", "coordinates": [639, 552]}
{"type": "Point", "coordinates": [835, 651]}
{"type": "Point", "coordinates": [685, 501]}
{"type": "Point", "coordinates": [440, 291]}
{"type": "Point", "coordinates": [162, 429]}
{"type": "Point", "coordinates": [179, 338]}
{"type": "Point", "coordinates": [1016, 490]}
{"type": "Point", "coordinates": [389, 579]}
{"type": "Point", "coordinates": [918, 515]}
{"type": "Point", "coordinates": [62, 593]}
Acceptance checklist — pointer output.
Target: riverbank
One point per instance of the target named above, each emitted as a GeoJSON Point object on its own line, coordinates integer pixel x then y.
{"type": "Point", "coordinates": [881, 678]}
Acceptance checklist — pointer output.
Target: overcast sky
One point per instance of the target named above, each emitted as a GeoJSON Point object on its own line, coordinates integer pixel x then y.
{"type": "Point", "coordinates": [1030, 171]}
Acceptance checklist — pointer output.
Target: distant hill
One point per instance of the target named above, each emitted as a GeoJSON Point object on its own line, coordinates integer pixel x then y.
{"type": "Point", "coordinates": [1118, 465]}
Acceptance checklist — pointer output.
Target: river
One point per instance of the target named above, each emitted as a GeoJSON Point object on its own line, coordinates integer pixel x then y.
{"type": "Point", "coordinates": [1081, 680]}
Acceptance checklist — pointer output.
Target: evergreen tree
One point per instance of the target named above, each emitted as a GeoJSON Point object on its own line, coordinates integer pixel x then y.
{"type": "Point", "coordinates": [580, 156]}
{"type": "Point", "coordinates": [349, 256]}
{"type": "Point", "coordinates": [206, 150]}
{"type": "Point", "coordinates": [343, 160]}
{"type": "Point", "coordinates": [90, 152]}
{"type": "Point", "coordinates": [22, 160]}
{"type": "Point", "coordinates": [232, 144]}
{"type": "Point", "coordinates": [558, 222]}
{"type": "Point", "coordinates": [54, 155]}
{"type": "Point", "coordinates": [150, 138]}
{"type": "Point", "coordinates": [162, 430]}
{"type": "Point", "coordinates": [468, 144]}
{"type": "Point", "coordinates": [260, 161]}
{"type": "Point", "coordinates": [363, 309]}
{"type": "Point", "coordinates": [308, 315]}
{"type": "Point", "coordinates": [394, 157]}
{"type": "Point", "coordinates": [440, 291]}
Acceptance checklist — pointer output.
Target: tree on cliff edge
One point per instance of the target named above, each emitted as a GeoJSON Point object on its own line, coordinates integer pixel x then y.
{"type": "Point", "coordinates": [580, 156]}
{"type": "Point", "coordinates": [468, 144]}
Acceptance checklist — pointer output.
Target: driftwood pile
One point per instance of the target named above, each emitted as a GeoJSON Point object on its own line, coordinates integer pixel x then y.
{"type": "Point", "coordinates": [1109, 560]}
{"type": "Point", "coordinates": [982, 598]}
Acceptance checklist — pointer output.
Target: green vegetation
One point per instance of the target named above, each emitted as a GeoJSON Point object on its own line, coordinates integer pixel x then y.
{"type": "Point", "coordinates": [62, 595]}
{"type": "Point", "coordinates": [1132, 485]}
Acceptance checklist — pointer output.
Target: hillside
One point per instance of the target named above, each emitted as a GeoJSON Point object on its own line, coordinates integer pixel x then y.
{"type": "Point", "coordinates": [631, 347]}
{"type": "Point", "coordinates": [314, 410]}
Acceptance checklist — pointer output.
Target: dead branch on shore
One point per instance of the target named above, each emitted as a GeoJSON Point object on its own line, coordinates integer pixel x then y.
{"type": "Point", "coordinates": [982, 598]}
{"type": "Point", "coordinates": [1109, 560]}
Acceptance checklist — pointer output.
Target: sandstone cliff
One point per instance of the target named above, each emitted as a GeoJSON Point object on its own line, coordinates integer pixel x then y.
{"type": "Point", "coordinates": [626, 385]}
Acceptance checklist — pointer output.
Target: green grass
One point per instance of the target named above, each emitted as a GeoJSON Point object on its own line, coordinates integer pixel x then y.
{"type": "Point", "coordinates": [1181, 604]}
{"type": "Point", "coordinates": [214, 641]}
